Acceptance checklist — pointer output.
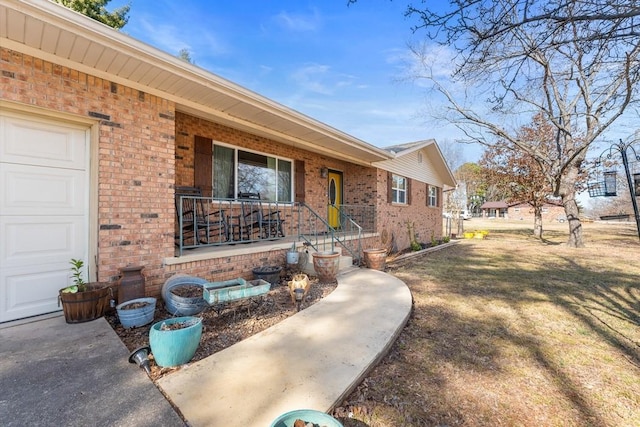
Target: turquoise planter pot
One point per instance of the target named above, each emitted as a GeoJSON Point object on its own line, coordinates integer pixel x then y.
{"type": "Point", "coordinates": [175, 347]}
{"type": "Point", "coordinates": [307, 415]}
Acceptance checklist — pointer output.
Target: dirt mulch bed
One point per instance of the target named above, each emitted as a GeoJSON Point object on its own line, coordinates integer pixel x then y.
{"type": "Point", "coordinates": [236, 322]}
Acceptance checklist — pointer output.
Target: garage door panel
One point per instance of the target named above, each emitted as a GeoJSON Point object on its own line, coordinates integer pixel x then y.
{"type": "Point", "coordinates": [37, 190]}
{"type": "Point", "coordinates": [44, 210]}
{"type": "Point", "coordinates": [42, 142]}
{"type": "Point", "coordinates": [29, 293]}
{"type": "Point", "coordinates": [41, 240]}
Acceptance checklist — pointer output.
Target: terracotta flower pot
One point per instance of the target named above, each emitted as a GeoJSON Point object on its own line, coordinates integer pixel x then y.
{"type": "Point", "coordinates": [375, 258]}
{"type": "Point", "coordinates": [326, 265]}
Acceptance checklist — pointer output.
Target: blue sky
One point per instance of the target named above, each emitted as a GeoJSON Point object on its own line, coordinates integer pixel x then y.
{"type": "Point", "coordinates": [341, 65]}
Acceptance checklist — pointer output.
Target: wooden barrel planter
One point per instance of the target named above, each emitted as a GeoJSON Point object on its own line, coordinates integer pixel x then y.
{"type": "Point", "coordinates": [326, 265]}
{"type": "Point", "coordinates": [174, 341]}
{"type": "Point", "coordinates": [136, 312]}
{"type": "Point", "coordinates": [85, 306]}
{"type": "Point", "coordinates": [376, 258]}
{"type": "Point", "coordinates": [179, 305]}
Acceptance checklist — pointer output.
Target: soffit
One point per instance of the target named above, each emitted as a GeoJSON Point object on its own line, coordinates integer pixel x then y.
{"type": "Point", "coordinates": [49, 31]}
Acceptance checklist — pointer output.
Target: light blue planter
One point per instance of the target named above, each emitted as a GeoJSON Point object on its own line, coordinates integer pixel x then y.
{"type": "Point", "coordinates": [307, 415]}
{"type": "Point", "coordinates": [136, 317]}
{"type": "Point", "coordinates": [175, 347]}
{"type": "Point", "coordinates": [181, 306]}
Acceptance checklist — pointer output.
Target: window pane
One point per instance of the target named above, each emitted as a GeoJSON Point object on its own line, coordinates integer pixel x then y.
{"type": "Point", "coordinates": [284, 181]}
{"type": "Point", "coordinates": [401, 197]}
{"type": "Point", "coordinates": [223, 172]}
{"type": "Point", "coordinates": [254, 174]}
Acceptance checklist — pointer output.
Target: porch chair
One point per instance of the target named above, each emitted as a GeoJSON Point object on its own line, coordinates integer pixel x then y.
{"type": "Point", "coordinates": [254, 219]}
{"type": "Point", "coordinates": [198, 223]}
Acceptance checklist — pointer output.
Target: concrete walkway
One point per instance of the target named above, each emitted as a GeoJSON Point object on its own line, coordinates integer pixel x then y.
{"type": "Point", "coordinates": [55, 374]}
{"type": "Point", "coordinates": [311, 360]}
{"type": "Point", "coordinates": [52, 373]}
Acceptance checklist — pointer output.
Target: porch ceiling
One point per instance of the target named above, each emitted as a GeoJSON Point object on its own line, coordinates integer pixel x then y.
{"type": "Point", "coordinates": [54, 33]}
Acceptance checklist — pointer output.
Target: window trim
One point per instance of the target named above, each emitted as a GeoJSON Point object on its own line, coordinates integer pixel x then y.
{"type": "Point", "coordinates": [436, 196]}
{"type": "Point", "coordinates": [397, 191]}
{"type": "Point", "coordinates": [236, 150]}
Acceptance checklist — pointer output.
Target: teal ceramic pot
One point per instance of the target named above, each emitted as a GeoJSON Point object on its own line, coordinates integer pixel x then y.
{"type": "Point", "coordinates": [308, 416]}
{"type": "Point", "coordinates": [175, 347]}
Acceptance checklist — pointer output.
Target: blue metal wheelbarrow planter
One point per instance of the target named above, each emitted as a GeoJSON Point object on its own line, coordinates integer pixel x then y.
{"type": "Point", "coordinates": [220, 294]}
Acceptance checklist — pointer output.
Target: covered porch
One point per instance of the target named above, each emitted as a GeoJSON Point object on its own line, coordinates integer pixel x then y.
{"type": "Point", "coordinates": [237, 192]}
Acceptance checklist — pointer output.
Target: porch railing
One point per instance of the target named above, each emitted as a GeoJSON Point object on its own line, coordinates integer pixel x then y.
{"type": "Point", "coordinates": [207, 222]}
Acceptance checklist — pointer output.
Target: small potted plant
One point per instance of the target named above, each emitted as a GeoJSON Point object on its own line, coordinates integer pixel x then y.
{"type": "Point", "coordinates": [293, 256]}
{"type": "Point", "coordinates": [82, 301]}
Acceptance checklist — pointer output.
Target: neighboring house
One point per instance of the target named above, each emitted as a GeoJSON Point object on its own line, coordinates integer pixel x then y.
{"type": "Point", "coordinates": [524, 211]}
{"type": "Point", "coordinates": [97, 130]}
{"type": "Point", "coordinates": [494, 209]}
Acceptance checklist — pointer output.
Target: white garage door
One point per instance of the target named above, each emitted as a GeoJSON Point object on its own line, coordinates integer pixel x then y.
{"type": "Point", "coordinates": [44, 181]}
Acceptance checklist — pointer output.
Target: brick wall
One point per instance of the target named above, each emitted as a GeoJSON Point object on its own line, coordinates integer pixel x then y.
{"type": "Point", "coordinates": [393, 218]}
{"type": "Point", "coordinates": [135, 158]}
{"type": "Point", "coordinates": [145, 148]}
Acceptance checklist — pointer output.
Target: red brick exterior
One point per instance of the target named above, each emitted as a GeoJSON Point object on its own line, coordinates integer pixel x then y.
{"type": "Point", "coordinates": [145, 148]}
{"type": "Point", "coordinates": [393, 219]}
{"type": "Point", "coordinates": [524, 212]}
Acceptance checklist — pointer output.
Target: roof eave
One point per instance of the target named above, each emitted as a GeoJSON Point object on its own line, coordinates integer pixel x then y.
{"type": "Point", "coordinates": [328, 140]}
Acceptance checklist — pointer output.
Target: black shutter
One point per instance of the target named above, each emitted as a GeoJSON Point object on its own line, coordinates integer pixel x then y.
{"type": "Point", "coordinates": [203, 165]}
{"type": "Point", "coordinates": [299, 183]}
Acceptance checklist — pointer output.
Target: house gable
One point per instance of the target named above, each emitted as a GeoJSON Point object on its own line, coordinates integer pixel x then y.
{"type": "Point", "coordinates": [421, 161]}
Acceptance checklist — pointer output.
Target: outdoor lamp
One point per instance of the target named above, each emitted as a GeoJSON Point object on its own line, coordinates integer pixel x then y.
{"type": "Point", "coordinates": [140, 357]}
{"type": "Point", "coordinates": [636, 183]}
{"type": "Point", "coordinates": [324, 172]}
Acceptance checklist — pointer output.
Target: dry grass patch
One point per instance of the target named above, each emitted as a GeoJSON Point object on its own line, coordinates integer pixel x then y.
{"type": "Point", "coordinates": [514, 331]}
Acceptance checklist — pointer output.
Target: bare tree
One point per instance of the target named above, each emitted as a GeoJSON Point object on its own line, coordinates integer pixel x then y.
{"type": "Point", "coordinates": [575, 61]}
{"type": "Point", "coordinates": [518, 174]}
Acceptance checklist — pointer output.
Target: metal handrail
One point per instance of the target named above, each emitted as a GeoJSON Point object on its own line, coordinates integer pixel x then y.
{"type": "Point", "coordinates": [348, 236]}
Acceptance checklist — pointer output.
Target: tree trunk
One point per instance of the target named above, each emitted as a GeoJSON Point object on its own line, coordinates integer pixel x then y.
{"type": "Point", "coordinates": [568, 194]}
{"type": "Point", "coordinates": [575, 226]}
{"type": "Point", "coordinates": [567, 191]}
{"type": "Point", "coordinates": [537, 222]}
